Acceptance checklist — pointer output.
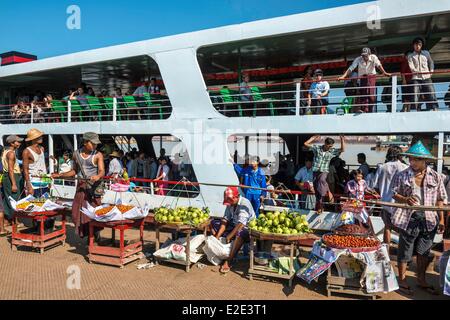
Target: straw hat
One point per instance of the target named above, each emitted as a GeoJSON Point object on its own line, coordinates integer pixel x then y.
{"type": "Point", "coordinates": [115, 154]}
{"type": "Point", "coordinates": [418, 150]}
{"type": "Point", "coordinates": [33, 134]}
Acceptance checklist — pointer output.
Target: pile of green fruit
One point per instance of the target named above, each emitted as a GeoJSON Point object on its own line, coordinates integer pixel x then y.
{"type": "Point", "coordinates": [280, 223]}
{"type": "Point", "coordinates": [182, 215]}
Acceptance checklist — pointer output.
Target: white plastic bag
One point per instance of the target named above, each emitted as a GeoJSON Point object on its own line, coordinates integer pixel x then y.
{"type": "Point", "coordinates": [216, 250]}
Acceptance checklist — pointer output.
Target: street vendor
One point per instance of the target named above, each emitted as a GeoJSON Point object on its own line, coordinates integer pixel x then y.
{"type": "Point", "coordinates": [89, 167]}
{"type": "Point", "coordinates": [34, 168]}
{"type": "Point", "coordinates": [234, 225]}
{"type": "Point", "coordinates": [418, 185]}
{"type": "Point", "coordinates": [321, 164]}
{"type": "Point", "coordinates": [12, 176]}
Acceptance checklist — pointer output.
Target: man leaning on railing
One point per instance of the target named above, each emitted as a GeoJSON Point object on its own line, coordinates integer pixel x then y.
{"type": "Point", "coordinates": [366, 64]}
{"type": "Point", "coordinates": [422, 65]}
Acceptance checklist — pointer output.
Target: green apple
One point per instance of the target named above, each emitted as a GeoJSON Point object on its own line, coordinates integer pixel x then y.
{"type": "Point", "coordinates": [276, 222]}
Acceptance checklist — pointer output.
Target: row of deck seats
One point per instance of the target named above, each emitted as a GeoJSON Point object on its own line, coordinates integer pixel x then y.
{"type": "Point", "coordinates": [233, 98]}
{"type": "Point", "coordinates": [127, 108]}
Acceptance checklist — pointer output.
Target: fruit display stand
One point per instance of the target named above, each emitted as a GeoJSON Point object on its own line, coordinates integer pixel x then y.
{"type": "Point", "coordinates": [183, 229]}
{"type": "Point", "coordinates": [291, 240]}
{"type": "Point", "coordinates": [116, 256]}
{"type": "Point", "coordinates": [41, 240]}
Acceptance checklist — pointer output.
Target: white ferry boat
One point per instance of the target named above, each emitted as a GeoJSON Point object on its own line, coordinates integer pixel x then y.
{"type": "Point", "coordinates": [201, 105]}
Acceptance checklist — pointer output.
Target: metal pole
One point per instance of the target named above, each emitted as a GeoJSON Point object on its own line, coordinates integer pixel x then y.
{"type": "Point", "coordinates": [394, 94]}
{"type": "Point", "coordinates": [114, 109]}
{"type": "Point", "coordinates": [32, 113]}
{"type": "Point", "coordinates": [297, 98]}
{"type": "Point", "coordinates": [75, 142]}
{"type": "Point", "coordinates": [51, 152]}
{"type": "Point", "coordinates": [69, 111]}
{"type": "Point", "coordinates": [440, 161]}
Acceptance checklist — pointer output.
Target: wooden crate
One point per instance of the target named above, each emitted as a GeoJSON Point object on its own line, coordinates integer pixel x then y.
{"type": "Point", "coordinates": [338, 284]}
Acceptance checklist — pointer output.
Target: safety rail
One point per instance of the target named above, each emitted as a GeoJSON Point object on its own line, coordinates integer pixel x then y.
{"type": "Point", "coordinates": [189, 189]}
{"type": "Point", "coordinates": [355, 96]}
{"type": "Point", "coordinates": [135, 107]}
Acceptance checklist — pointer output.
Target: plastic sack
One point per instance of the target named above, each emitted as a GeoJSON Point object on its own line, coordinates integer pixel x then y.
{"type": "Point", "coordinates": [216, 250]}
{"type": "Point", "coordinates": [47, 206]}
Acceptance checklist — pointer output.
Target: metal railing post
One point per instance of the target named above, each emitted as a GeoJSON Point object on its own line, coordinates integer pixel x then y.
{"type": "Point", "coordinates": [51, 152]}
{"type": "Point", "coordinates": [114, 109]}
{"type": "Point", "coordinates": [296, 201]}
{"type": "Point", "coordinates": [297, 98]}
{"type": "Point", "coordinates": [32, 113]}
{"type": "Point", "coordinates": [69, 111]}
{"type": "Point", "coordinates": [394, 94]}
{"type": "Point", "coordinates": [440, 161]}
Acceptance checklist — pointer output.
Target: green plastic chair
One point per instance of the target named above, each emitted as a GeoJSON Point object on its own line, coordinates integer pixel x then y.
{"type": "Point", "coordinates": [58, 107]}
{"type": "Point", "coordinates": [150, 105]}
{"type": "Point", "coordinates": [76, 107]}
{"type": "Point", "coordinates": [130, 103]}
{"type": "Point", "coordinates": [257, 96]}
{"type": "Point", "coordinates": [346, 105]}
{"type": "Point", "coordinates": [227, 97]}
{"type": "Point", "coordinates": [108, 105]}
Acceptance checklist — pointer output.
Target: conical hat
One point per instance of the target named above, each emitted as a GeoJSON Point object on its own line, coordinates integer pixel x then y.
{"type": "Point", "coordinates": [418, 150]}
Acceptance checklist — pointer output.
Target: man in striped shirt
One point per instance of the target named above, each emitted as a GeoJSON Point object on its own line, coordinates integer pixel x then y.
{"type": "Point", "coordinates": [418, 185]}
{"type": "Point", "coordinates": [321, 166]}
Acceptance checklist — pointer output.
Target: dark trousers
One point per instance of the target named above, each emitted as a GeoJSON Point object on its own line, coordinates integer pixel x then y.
{"type": "Point", "coordinates": [424, 88]}
{"type": "Point", "coordinates": [367, 93]}
{"type": "Point", "coordinates": [321, 188]}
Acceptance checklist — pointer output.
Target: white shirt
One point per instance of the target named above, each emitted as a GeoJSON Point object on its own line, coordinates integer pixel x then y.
{"type": "Point", "coordinates": [384, 176]}
{"type": "Point", "coordinates": [115, 167]}
{"type": "Point", "coordinates": [365, 68]}
{"type": "Point", "coordinates": [420, 62]}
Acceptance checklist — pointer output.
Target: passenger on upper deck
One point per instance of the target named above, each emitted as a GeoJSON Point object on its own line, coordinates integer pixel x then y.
{"type": "Point", "coordinates": [304, 89]}
{"type": "Point", "coordinates": [366, 64]}
{"type": "Point", "coordinates": [407, 87]}
{"type": "Point", "coordinates": [246, 92]}
{"type": "Point", "coordinates": [80, 95]}
{"type": "Point", "coordinates": [422, 65]}
{"type": "Point", "coordinates": [318, 93]}
{"type": "Point", "coordinates": [21, 111]}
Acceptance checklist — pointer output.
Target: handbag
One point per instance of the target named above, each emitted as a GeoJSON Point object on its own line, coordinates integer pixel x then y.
{"type": "Point", "coordinates": [94, 189]}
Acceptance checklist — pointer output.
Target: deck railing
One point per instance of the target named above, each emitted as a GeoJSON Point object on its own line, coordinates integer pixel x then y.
{"type": "Point", "coordinates": [147, 107]}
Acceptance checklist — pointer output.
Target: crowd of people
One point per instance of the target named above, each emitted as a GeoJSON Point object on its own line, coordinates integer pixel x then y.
{"type": "Point", "coordinates": [39, 106]}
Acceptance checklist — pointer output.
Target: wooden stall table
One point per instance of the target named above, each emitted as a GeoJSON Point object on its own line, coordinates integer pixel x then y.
{"type": "Point", "coordinates": [185, 230]}
{"type": "Point", "coordinates": [116, 256]}
{"type": "Point", "coordinates": [292, 240]}
{"type": "Point", "coordinates": [41, 240]}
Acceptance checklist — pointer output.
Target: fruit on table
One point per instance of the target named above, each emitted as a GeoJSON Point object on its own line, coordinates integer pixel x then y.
{"type": "Point", "coordinates": [122, 208]}
{"type": "Point", "coordinates": [185, 215]}
{"type": "Point", "coordinates": [26, 204]}
{"type": "Point", "coordinates": [349, 241]}
{"type": "Point", "coordinates": [351, 229]}
{"type": "Point", "coordinates": [280, 223]}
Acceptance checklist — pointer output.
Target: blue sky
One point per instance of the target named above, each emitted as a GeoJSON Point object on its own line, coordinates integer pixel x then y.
{"type": "Point", "coordinates": [39, 27]}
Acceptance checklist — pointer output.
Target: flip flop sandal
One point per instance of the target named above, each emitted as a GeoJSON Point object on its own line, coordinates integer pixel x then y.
{"type": "Point", "coordinates": [224, 270]}
{"type": "Point", "coordinates": [406, 290]}
{"type": "Point", "coordinates": [430, 289]}
{"type": "Point", "coordinates": [4, 234]}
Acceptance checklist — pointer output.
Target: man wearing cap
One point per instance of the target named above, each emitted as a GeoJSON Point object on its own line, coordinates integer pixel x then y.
{"type": "Point", "coordinates": [89, 167]}
{"type": "Point", "coordinates": [418, 185]}
{"type": "Point", "coordinates": [422, 66]}
{"type": "Point", "coordinates": [318, 93]}
{"type": "Point", "coordinates": [366, 64]}
{"type": "Point", "coordinates": [115, 166]}
{"type": "Point", "coordinates": [12, 176]}
{"type": "Point", "coordinates": [233, 225]}
{"type": "Point", "coordinates": [34, 164]}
